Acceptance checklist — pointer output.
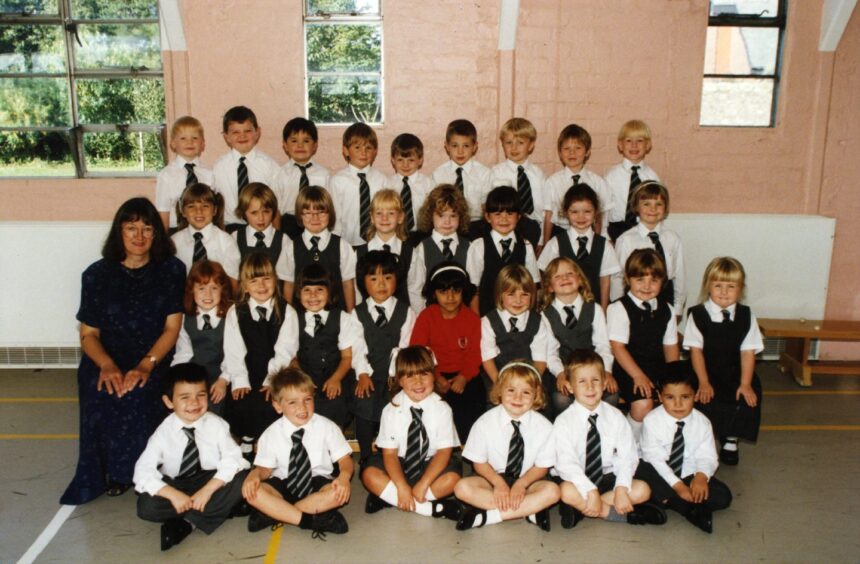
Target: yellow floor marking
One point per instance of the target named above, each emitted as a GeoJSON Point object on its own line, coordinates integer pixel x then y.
{"type": "Point", "coordinates": [274, 545]}
{"type": "Point", "coordinates": [810, 427]}
{"type": "Point", "coordinates": [37, 437]}
{"type": "Point", "coordinates": [814, 393]}
{"type": "Point", "coordinates": [39, 400]}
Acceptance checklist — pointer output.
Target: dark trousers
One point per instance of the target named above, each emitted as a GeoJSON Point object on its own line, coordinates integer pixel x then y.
{"type": "Point", "coordinates": [719, 494]}
{"type": "Point", "coordinates": [468, 406]}
{"type": "Point", "coordinates": [159, 509]}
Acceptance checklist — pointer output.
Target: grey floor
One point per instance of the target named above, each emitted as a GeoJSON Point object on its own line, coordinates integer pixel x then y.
{"type": "Point", "coordinates": [797, 498]}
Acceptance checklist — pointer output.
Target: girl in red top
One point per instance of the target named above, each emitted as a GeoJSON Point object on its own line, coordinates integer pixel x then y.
{"type": "Point", "coordinates": [453, 333]}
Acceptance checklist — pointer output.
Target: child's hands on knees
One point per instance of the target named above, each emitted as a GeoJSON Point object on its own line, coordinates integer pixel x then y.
{"type": "Point", "coordinates": [699, 488]}
{"type": "Point", "coordinates": [364, 387]}
{"type": "Point", "coordinates": [593, 504]}
{"type": "Point", "coordinates": [502, 496]}
{"type": "Point", "coordinates": [341, 490]}
{"type": "Point", "coordinates": [218, 390]}
{"type": "Point", "coordinates": [331, 388]}
{"type": "Point", "coordinates": [419, 490]}
{"type": "Point", "coordinates": [611, 383]}
{"type": "Point", "coordinates": [180, 501]}
{"type": "Point", "coordinates": [518, 494]}
{"type": "Point", "coordinates": [748, 394]}
{"type": "Point", "coordinates": [251, 486]}
{"type": "Point", "coordinates": [202, 496]}
{"type": "Point", "coordinates": [442, 385]}
{"type": "Point", "coordinates": [562, 384]}
{"type": "Point", "coordinates": [683, 491]}
{"type": "Point", "coordinates": [239, 393]}
{"type": "Point", "coordinates": [458, 384]}
{"type": "Point", "coordinates": [623, 505]}
{"type": "Point", "coordinates": [405, 500]}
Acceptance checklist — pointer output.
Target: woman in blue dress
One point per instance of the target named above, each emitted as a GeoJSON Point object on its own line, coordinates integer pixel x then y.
{"type": "Point", "coordinates": [130, 315]}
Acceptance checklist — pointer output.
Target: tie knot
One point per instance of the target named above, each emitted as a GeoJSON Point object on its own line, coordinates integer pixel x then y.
{"type": "Point", "coordinates": [654, 236]}
{"type": "Point", "coordinates": [241, 160]}
{"type": "Point", "coordinates": [680, 424]}
{"type": "Point", "coordinates": [297, 435]}
{"type": "Point", "coordinates": [189, 432]}
{"type": "Point", "coordinates": [520, 169]}
{"type": "Point", "coordinates": [259, 235]}
{"type": "Point", "coordinates": [406, 181]}
{"type": "Point", "coordinates": [646, 306]}
{"type": "Point", "coordinates": [459, 171]}
{"type": "Point", "coordinates": [592, 419]}
{"type": "Point", "coordinates": [317, 318]}
{"type": "Point", "coordinates": [575, 179]}
{"type": "Point", "coordinates": [189, 167]}
{"type": "Point", "coordinates": [198, 236]}
{"type": "Point", "coordinates": [315, 240]}
{"type": "Point", "coordinates": [582, 240]}
{"type": "Point", "coordinates": [380, 310]}
{"type": "Point", "coordinates": [386, 247]}
{"type": "Point", "coordinates": [303, 168]}
{"type": "Point", "coordinates": [513, 322]}
{"type": "Point", "coordinates": [417, 412]}
{"type": "Point", "coordinates": [516, 425]}
{"type": "Point", "coordinates": [261, 311]}
{"type": "Point", "coordinates": [506, 244]}
{"type": "Point", "coordinates": [727, 316]}
{"type": "Point", "coordinates": [362, 176]}
{"type": "Point", "coordinates": [569, 310]}
{"type": "Point", "coordinates": [207, 318]}
{"type": "Point", "coordinates": [635, 168]}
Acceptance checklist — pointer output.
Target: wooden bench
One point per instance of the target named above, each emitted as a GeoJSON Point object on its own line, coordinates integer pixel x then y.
{"type": "Point", "coordinates": [798, 333]}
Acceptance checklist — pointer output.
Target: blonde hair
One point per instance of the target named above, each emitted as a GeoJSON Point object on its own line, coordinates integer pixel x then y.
{"type": "Point", "coordinates": [584, 358]}
{"type": "Point", "coordinates": [263, 193]}
{"type": "Point", "coordinates": [514, 277]}
{"type": "Point", "coordinates": [255, 265]}
{"type": "Point", "coordinates": [523, 370]}
{"type": "Point", "coordinates": [724, 269]}
{"type": "Point", "coordinates": [518, 127]}
{"type": "Point", "coordinates": [387, 200]}
{"type": "Point", "coordinates": [552, 269]}
{"type": "Point", "coordinates": [315, 198]}
{"type": "Point", "coordinates": [442, 197]}
{"type": "Point", "coordinates": [634, 128]}
{"type": "Point", "coordinates": [184, 122]}
{"type": "Point", "coordinates": [290, 378]}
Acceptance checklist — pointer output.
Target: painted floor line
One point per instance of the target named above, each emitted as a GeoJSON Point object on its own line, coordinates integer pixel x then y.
{"type": "Point", "coordinates": [274, 545]}
{"type": "Point", "coordinates": [810, 427]}
{"type": "Point", "coordinates": [39, 400]}
{"type": "Point", "coordinates": [43, 539]}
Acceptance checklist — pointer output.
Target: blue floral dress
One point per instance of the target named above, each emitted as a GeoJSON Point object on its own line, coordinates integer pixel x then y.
{"type": "Point", "coordinates": [129, 307]}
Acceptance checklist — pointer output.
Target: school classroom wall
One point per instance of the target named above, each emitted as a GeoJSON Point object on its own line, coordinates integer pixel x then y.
{"type": "Point", "coordinates": [593, 63]}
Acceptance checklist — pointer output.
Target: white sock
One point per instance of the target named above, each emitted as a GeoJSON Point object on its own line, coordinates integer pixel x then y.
{"type": "Point", "coordinates": [247, 445]}
{"type": "Point", "coordinates": [636, 426]}
{"type": "Point", "coordinates": [424, 508]}
{"type": "Point", "coordinates": [731, 444]}
{"type": "Point", "coordinates": [493, 516]}
{"type": "Point", "coordinates": [430, 496]}
{"type": "Point", "coordinates": [532, 519]}
{"type": "Point", "coordinates": [389, 494]}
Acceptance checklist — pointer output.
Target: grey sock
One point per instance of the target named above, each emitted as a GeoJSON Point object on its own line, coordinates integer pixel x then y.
{"type": "Point", "coordinates": [615, 517]}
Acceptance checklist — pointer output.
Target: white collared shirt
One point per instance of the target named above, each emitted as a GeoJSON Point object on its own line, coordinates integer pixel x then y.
{"type": "Point", "coordinates": [617, 446]}
{"type": "Point", "coordinates": [170, 183]}
{"type": "Point", "coordinates": [163, 453]}
{"type": "Point", "coordinates": [251, 238]}
{"type": "Point", "coordinates": [490, 439]}
{"type": "Point", "coordinates": [220, 247]}
{"type": "Point", "coordinates": [419, 186]}
{"type": "Point", "coordinates": [599, 336]}
{"type": "Point", "coordinates": [286, 265]}
{"type": "Point", "coordinates": [637, 238]}
{"type": "Point", "coordinates": [559, 183]}
{"type": "Point", "coordinates": [476, 183]}
{"type": "Point", "coordinates": [693, 336]}
{"type": "Point", "coordinates": [323, 440]}
{"type": "Point", "coordinates": [505, 174]}
{"type": "Point", "coordinates": [438, 420]}
{"type": "Point", "coordinates": [261, 168]}
{"type": "Point", "coordinates": [475, 255]}
{"type": "Point", "coordinates": [608, 264]}
{"type": "Point", "coordinates": [618, 180]}
{"type": "Point", "coordinates": [347, 200]}
{"type": "Point", "coordinates": [489, 348]}
{"type": "Point", "coordinates": [700, 451]}
{"type": "Point", "coordinates": [288, 182]}
{"type": "Point", "coordinates": [618, 324]}
{"type": "Point", "coordinates": [184, 351]}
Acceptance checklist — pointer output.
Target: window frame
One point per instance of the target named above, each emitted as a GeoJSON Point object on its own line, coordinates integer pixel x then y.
{"type": "Point", "coordinates": [75, 132]}
{"type": "Point", "coordinates": [344, 18]}
{"type": "Point", "coordinates": [758, 21]}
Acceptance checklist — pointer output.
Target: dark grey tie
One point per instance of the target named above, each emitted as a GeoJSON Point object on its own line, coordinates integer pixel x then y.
{"type": "Point", "coordinates": [516, 452]}
{"type": "Point", "coordinates": [207, 325]}
{"type": "Point", "coordinates": [318, 324]}
{"type": "Point", "coordinates": [575, 179]}
{"type": "Point", "coordinates": [459, 181]}
{"type": "Point", "coordinates": [406, 200]}
{"type": "Point", "coordinates": [190, 177]}
{"type": "Point", "coordinates": [304, 183]}
{"type": "Point", "coordinates": [506, 249]}
{"type": "Point", "coordinates": [261, 240]}
{"type": "Point", "coordinates": [381, 320]}
{"type": "Point", "coordinates": [199, 249]}
{"type": "Point", "coordinates": [190, 456]}
{"type": "Point", "coordinates": [727, 316]}
{"type": "Point", "coordinates": [446, 249]}
{"type": "Point", "coordinates": [593, 458]}
{"type": "Point", "coordinates": [261, 314]}
{"type": "Point", "coordinates": [524, 188]}
{"type": "Point", "coordinates": [513, 322]}
{"type": "Point", "coordinates": [630, 215]}
{"type": "Point", "coordinates": [417, 446]}
{"type": "Point", "coordinates": [581, 253]}
{"type": "Point", "coordinates": [570, 318]}
{"type": "Point", "coordinates": [364, 204]}
{"type": "Point", "coordinates": [676, 457]}
{"type": "Point", "coordinates": [241, 175]}
{"type": "Point", "coordinates": [299, 470]}
{"type": "Point", "coordinates": [655, 239]}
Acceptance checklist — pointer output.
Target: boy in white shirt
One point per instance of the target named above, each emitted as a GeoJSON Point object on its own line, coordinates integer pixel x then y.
{"type": "Point", "coordinates": [187, 141]}
{"type": "Point", "coordinates": [300, 142]}
{"type": "Point", "coordinates": [407, 158]}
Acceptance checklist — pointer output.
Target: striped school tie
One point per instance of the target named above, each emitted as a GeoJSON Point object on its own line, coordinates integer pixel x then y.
{"type": "Point", "coordinates": [630, 215]}
{"type": "Point", "coordinates": [506, 249]}
{"type": "Point", "coordinates": [190, 456]}
{"type": "Point", "coordinates": [516, 452]}
{"type": "Point", "coordinates": [406, 200]}
{"type": "Point", "coordinates": [570, 319]}
{"type": "Point", "coordinates": [446, 249]}
{"type": "Point", "coordinates": [727, 316]}
{"type": "Point", "coordinates": [318, 324]}
{"type": "Point", "coordinates": [593, 459]}
{"type": "Point", "coordinates": [676, 457]}
{"type": "Point", "coordinates": [261, 240]}
{"type": "Point", "coordinates": [315, 248]}
{"type": "Point", "coordinates": [299, 472]}
{"type": "Point", "coordinates": [199, 249]}
{"type": "Point", "coordinates": [655, 240]}
{"type": "Point", "coordinates": [513, 322]}
{"type": "Point", "coordinates": [190, 177]}
{"type": "Point", "coordinates": [458, 183]}
{"type": "Point", "coordinates": [364, 204]}
{"type": "Point", "coordinates": [381, 320]}
{"type": "Point", "coordinates": [524, 188]}
{"type": "Point", "coordinates": [417, 445]}
{"type": "Point", "coordinates": [575, 178]}
{"type": "Point", "coordinates": [581, 252]}
{"type": "Point", "coordinates": [304, 183]}
{"type": "Point", "coordinates": [207, 323]}
{"type": "Point", "coordinates": [241, 175]}
{"type": "Point", "coordinates": [261, 314]}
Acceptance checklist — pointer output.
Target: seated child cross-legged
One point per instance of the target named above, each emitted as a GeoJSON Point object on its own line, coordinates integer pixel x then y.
{"type": "Point", "coordinates": [415, 468]}
{"type": "Point", "coordinates": [678, 453]}
{"type": "Point", "coordinates": [512, 451]}
{"type": "Point", "coordinates": [190, 474]}
{"type": "Point", "coordinates": [303, 466]}
{"type": "Point", "coordinates": [596, 454]}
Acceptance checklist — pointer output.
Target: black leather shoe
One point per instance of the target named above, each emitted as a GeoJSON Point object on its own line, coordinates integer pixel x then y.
{"type": "Point", "coordinates": [702, 517]}
{"type": "Point", "coordinates": [569, 516]}
{"type": "Point", "coordinates": [374, 504]}
{"type": "Point", "coordinates": [542, 519]}
{"type": "Point", "coordinates": [174, 532]}
{"type": "Point", "coordinates": [469, 516]}
{"type": "Point", "coordinates": [647, 513]}
{"type": "Point", "coordinates": [729, 457]}
{"type": "Point", "coordinates": [330, 522]}
{"type": "Point", "coordinates": [447, 508]}
{"type": "Point", "coordinates": [257, 521]}
{"type": "Point", "coordinates": [241, 509]}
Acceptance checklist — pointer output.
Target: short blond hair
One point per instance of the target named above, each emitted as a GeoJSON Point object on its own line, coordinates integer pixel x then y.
{"type": "Point", "coordinates": [185, 122]}
{"type": "Point", "coordinates": [584, 358]}
{"type": "Point", "coordinates": [290, 378]}
{"type": "Point", "coordinates": [518, 127]}
{"type": "Point", "coordinates": [514, 277]}
{"type": "Point", "coordinates": [724, 269]}
{"type": "Point", "coordinates": [552, 268]}
{"type": "Point", "coordinates": [634, 128]}
{"type": "Point", "coordinates": [523, 370]}
{"type": "Point", "coordinates": [387, 200]}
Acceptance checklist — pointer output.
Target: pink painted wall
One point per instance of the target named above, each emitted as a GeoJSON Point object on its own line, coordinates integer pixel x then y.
{"type": "Point", "coordinates": [594, 63]}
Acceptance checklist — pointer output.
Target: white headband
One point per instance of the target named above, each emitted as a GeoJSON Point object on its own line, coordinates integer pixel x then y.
{"type": "Point", "coordinates": [521, 365]}
{"type": "Point", "coordinates": [452, 267]}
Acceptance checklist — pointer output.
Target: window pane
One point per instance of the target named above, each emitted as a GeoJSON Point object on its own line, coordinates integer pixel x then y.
{"type": "Point", "coordinates": [118, 46]}
{"type": "Point", "coordinates": [121, 101]}
{"type": "Point", "coordinates": [736, 101]}
{"type": "Point", "coordinates": [118, 153]}
{"type": "Point", "coordinates": [35, 153]}
{"type": "Point", "coordinates": [746, 7]}
{"type": "Point", "coordinates": [31, 102]}
{"type": "Point", "coordinates": [31, 48]}
{"type": "Point", "coordinates": [344, 47]}
{"type": "Point", "coordinates": [28, 7]}
{"type": "Point", "coordinates": [343, 6]}
{"type": "Point", "coordinates": [741, 50]}
{"type": "Point", "coordinates": [345, 99]}
{"type": "Point", "coordinates": [112, 9]}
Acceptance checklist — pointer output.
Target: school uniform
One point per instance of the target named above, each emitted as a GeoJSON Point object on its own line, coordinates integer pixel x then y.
{"type": "Point", "coordinates": [490, 439]}
{"type": "Point", "coordinates": [437, 419]}
{"type": "Point", "coordinates": [287, 186]}
{"type": "Point", "coordinates": [345, 191]}
{"type": "Point", "coordinates": [501, 343]}
{"type": "Point", "coordinates": [419, 186]}
{"type": "Point", "coordinates": [255, 346]}
{"type": "Point", "coordinates": [617, 448]}
{"type": "Point", "coordinates": [161, 462]}
{"type": "Point", "coordinates": [261, 168]}
{"type": "Point", "coordinates": [203, 345]}
{"type": "Point", "coordinates": [323, 441]}
{"type": "Point", "coordinates": [645, 332]}
{"type": "Point", "coordinates": [598, 261]}
{"type": "Point", "coordinates": [334, 253]}
{"type": "Point", "coordinates": [700, 456]}
{"type": "Point", "coordinates": [559, 183]}
{"type": "Point", "coordinates": [220, 247]}
{"type": "Point", "coordinates": [484, 261]}
{"type": "Point", "coordinates": [618, 180]}
{"type": "Point", "coordinates": [531, 222]}
{"type": "Point", "coordinates": [433, 249]}
{"type": "Point", "coordinates": [171, 182]}
{"type": "Point", "coordinates": [722, 343]}
{"type": "Point", "coordinates": [319, 355]}
{"type": "Point", "coordinates": [476, 184]}
{"type": "Point", "coordinates": [674, 290]}
{"type": "Point", "coordinates": [410, 270]}
{"type": "Point", "coordinates": [270, 242]}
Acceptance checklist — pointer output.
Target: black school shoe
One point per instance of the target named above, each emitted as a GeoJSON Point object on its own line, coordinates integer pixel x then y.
{"type": "Point", "coordinates": [468, 516]}
{"type": "Point", "coordinates": [729, 457]}
{"type": "Point", "coordinates": [329, 522]}
{"type": "Point", "coordinates": [569, 516]}
{"type": "Point", "coordinates": [374, 503]}
{"type": "Point", "coordinates": [448, 508]}
{"type": "Point", "coordinates": [701, 517]}
{"type": "Point", "coordinates": [241, 509]}
{"type": "Point", "coordinates": [647, 513]}
{"type": "Point", "coordinates": [174, 532]}
{"type": "Point", "coordinates": [542, 519]}
{"type": "Point", "coordinates": [257, 521]}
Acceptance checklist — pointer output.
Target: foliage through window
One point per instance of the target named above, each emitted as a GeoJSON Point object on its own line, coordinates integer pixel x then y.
{"type": "Point", "coordinates": [742, 63]}
{"type": "Point", "coordinates": [343, 42]}
{"type": "Point", "coordinates": [81, 88]}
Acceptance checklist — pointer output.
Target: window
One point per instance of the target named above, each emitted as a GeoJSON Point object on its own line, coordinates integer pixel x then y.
{"type": "Point", "coordinates": [343, 46]}
{"type": "Point", "coordinates": [742, 63]}
{"type": "Point", "coordinates": [81, 88]}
